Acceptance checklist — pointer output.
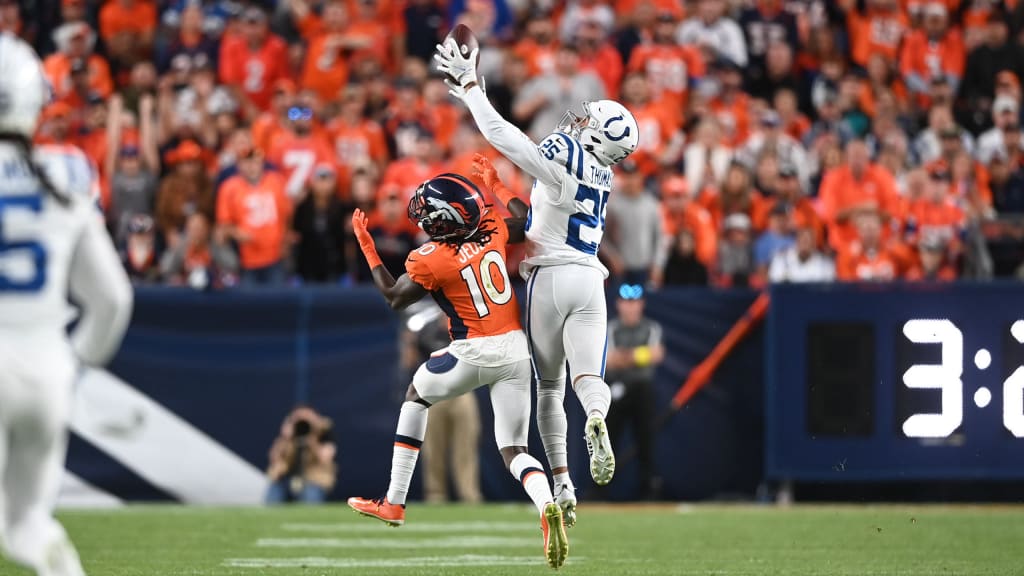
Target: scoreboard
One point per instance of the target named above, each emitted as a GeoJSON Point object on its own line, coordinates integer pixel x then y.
{"type": "Point", "coordinates": [897, 381]}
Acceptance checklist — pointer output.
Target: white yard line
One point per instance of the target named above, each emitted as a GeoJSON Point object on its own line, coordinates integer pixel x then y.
{"type": "Point", "coordinates": [418, 562]}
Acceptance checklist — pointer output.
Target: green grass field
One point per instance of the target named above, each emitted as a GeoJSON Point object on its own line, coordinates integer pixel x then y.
{"type": "Point", "coordinates": [499, 540]}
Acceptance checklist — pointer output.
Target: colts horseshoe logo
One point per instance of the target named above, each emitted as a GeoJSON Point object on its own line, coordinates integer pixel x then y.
{"type": "Point", "coordinates": [609, 135]}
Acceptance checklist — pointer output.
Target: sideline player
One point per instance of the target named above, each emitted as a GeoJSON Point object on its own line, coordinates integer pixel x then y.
{"type": "Point", "coordinates": [463, 268]}
{"type": "Point", "coordinates": [566, 309]}
{"type": "Point", "coordinates": [51, 239]}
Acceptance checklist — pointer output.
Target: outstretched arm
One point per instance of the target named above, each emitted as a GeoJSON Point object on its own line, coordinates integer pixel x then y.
{"type": "Point", "coordinates": [399, 293]}
{"type": "Point", "coordinates": [485, 171]}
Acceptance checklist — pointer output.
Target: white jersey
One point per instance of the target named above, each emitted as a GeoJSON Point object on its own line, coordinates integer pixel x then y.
{"type": "Point", "coordinates": [47, 248]}
{"type": "Point", "coordinates": [569, 199]}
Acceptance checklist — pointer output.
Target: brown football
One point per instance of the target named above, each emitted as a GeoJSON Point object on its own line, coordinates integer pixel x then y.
{"type": "Point", "coordinates": [465, 39]}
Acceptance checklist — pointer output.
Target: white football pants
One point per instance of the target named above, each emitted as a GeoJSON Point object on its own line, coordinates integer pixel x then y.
{"type": "Point", "coordinates": [36, 384]}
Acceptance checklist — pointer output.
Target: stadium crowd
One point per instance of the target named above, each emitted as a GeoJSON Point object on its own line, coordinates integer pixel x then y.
{"type": "Point", "coordinates": [794, 140]}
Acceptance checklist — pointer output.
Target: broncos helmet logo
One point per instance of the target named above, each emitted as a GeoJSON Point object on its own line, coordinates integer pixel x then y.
{"type": "Point", "coordinates": [441, 210]}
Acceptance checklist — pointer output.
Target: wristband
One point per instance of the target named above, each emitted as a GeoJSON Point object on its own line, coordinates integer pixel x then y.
{"type": "Point", "coordinates": [503, 193]}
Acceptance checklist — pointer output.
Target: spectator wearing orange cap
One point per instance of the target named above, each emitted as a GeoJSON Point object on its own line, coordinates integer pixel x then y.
{"type": "Point", "coordinates": [75, 42]}
{"type": "Point", "coordinates": [867, 257]}
{"type": "Point", "coordinates": [597, 55]}
{"type": "Point", "coordinates": [933, 51]}
{"type": "Point", "coordinates": [299, 147]}
{"type": "Point", "coordinates": [854, 187]}
{"type": "Point", "coordinates": [253, 60]}
{"type": "Point", "coordinates": [185, 191]}
{"type": "Point", "coordinates": [875, 29]}
{"type": "Point", "coordinates": [634, 241]}
{"type": "Point", "coordinates": [680, 212]}
{"type": "Point", "coordinates": [671, 69]}
{"type": "Point", "coordinates": [662, 143]}
{"type": "Point", "coordinates": [254, 211]}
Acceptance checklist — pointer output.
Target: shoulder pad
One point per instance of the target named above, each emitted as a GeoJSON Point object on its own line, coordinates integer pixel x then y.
{"type": "Point", "coordinates": [565, 151]}
{"type": "Point", "coordinates": [69, 170]}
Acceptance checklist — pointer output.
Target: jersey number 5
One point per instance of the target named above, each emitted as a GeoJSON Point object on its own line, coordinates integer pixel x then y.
{"type": "Point", "coordinates": [19, 256]}
{"type": "Point", "coordinates": [489, 261]}
{"type": "Point", "coordinates": [593, 219]}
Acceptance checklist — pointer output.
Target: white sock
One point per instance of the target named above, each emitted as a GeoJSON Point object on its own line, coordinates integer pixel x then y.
{"type": "Point", "coordinates": [412, 427]}
{"type": "Point", "coordinates": [594, 395]}
{"type": "Point", "coordinates": [562, 479]}
{"type": "Point", "coordinates": [531, 474]}
{"type": "Point", "coordinates": [551, 422]}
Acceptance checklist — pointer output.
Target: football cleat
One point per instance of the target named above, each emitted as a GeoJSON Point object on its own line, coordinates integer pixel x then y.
{"type": "Point", "coordinates": [391, 514]}
{"type": "Point", "coordinates": [599, 445]}
{"type": "Point", "coordinates": [565, 497]}
{"type": "Point", "coordinates": [556, 543]}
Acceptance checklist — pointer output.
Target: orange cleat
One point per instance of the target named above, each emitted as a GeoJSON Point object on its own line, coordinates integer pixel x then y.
{"type": "Point", "coordinates": [391, 514]}
{"type": "Point", "coordinates": [556, 543]}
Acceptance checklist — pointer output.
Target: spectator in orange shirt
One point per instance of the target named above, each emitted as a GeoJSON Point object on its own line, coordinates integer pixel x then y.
{"type": "Point", "coordinates": [75, 42]}
{"type": "Point", "coordinates": [970, 180]}
{"type": "Point", "coordinates": [253, 60]}
{"type": "Point", "coordinates": [539, 44]}
{"type": "Point", "coordinates": [300, 147]}
{"type": "Point", "coordinates": [788, 193]}
{"type": "Point", "coordinates": [326, 68]}
{"type": "Point", "coordinates": [735, 196]}
{"type": "Point", "coordinates": [357, 140]}
{"type": "Point", "coordinates": [681, 212]}
{"type": "Point", "coordinates": [599, 56]}
{"type": "Point", "coordinates": [406, 174]}
{"type": "Point", "coordinates": [269, 125]}
{"type": "Point", "coordinates": [183, 192]}
{"type": "Point", "coordinates": [935, 50]}
{"type": "Point", "coordinates": [662, 143]}
{"type": "Point", "coordinates": [867, 258]}
{"type": "Point", "coordinates": [935, 215]}
{"type": "Point", "coordinates": [670, 68]}
{"type": "Point", "coordinates": [126, 27]}
{"type": "Point", "coordinates": [438, 106]}
{"type": "Point", "coordinates": [253, 210]}
{"type": "Point", "coordinates": [854, 187]}
{"type": "Point", "coordinates": [878, 30]}
{"type": "Point", "coordinates": [731, 106]}
{"type": "Point", "coordinates": [405, 118]}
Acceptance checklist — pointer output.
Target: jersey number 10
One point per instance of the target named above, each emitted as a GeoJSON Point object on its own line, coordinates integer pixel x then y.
{"type": "Point", "coordinates": [498, 297]}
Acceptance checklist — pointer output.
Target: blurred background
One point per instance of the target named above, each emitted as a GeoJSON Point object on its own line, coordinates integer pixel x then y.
{"type": "Point", "coordinates": [859, 160]}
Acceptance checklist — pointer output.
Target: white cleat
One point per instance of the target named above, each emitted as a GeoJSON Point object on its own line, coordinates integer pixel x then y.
{"type": "Point", "coordinates": [565, 497]}
{"type": "Point", "coordinates": [599, 445]}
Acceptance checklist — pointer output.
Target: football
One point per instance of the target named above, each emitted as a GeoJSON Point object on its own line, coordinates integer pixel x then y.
{"type": "Point", "coordinates": [465, 39]}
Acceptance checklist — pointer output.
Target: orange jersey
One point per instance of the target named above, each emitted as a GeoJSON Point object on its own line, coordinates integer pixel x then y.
{"type": "Point", "coordinates": [868, 102]}
{"type": "Point", "coordinates": [406, 175]}
{"type": "Point", "coordinates": [253, 72]}
{"type": "Point", "coordinates": [658, 125]}
{"type": "Point", "coordinates": [929, 59]}
{"type": "Point", "coordinates": [719, 207]}
{"type": "Point", "coordinates": [57, 68]}
{"type": "Point", "coordinates": [265, 130]}
{"type": "Point", "coordinates": [607, 65]}
{"type": "Point", "coordinates": [356, 142]}
{"type": "Point", "coordinates": [876, 32]}
{"type": "Point", "coordinates": [540, 59]}
{"type": "Point", "coordinates": [803, 216]}
{"type": "Point", "coordinates": [325, 71]}
{"type": "Point", "coordinates": [115, 18]}
{"type": "Point", "coordinates": [699, 223]}
{"type": "Point", "coordinates": [855, 264]}
{"type": "Point", "coordinates": [262, 211]}
{"type": "Point", "coordinates": [669, 68]}
{"type": "Point", "coordinates": [959, 189]}
{"type": "Point", "coordinates": [471, 285]}
{"type": "Point", "coordinates": [943, 220]}
{"type": "Point", "coordinates": [296, 156]}
{"type": "Point", "coordinates": [840, 191]}
{"type": "Point", "coordinates": [734, 117]}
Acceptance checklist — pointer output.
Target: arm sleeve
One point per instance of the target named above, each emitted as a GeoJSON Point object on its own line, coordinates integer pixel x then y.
{"type": "Point", "coordinates": [419, 271]}
{"type": "Point", "coordinates": [101, 287]}
{"type": "Point", "coordinates": [654, 338]}
{"type": "Point", "coordinates": [509, 140]}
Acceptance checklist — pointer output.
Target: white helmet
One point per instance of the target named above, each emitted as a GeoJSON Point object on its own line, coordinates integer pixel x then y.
{"type": "Point", "coordinates": [23, 87]}
{"type": "Point", "coordinates": [607, 130]}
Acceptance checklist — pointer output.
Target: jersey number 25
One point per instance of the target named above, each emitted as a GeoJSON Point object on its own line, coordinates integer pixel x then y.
{"type": "Point", "coordinates": [27, 251]}
{"type": "Point", "coordinates": [593, 219]}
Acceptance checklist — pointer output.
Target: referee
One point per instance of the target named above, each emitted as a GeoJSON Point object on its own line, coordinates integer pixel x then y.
{"type": "Point", "coordinates": [634, 351]}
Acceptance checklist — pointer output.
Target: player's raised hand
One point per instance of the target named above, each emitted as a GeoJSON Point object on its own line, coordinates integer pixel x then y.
{"type": "Point", "coordinates": [359, 228]}
{"type": "Point", "coordinates": [485, 171]}
{"type": "Point", "coordinates": [450, 60]}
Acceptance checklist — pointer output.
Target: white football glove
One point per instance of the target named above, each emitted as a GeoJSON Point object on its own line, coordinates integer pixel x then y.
{"type": "Point", "coordinates": [452, 62]}
{"type": "Point", "coordinates": [459, 92]}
